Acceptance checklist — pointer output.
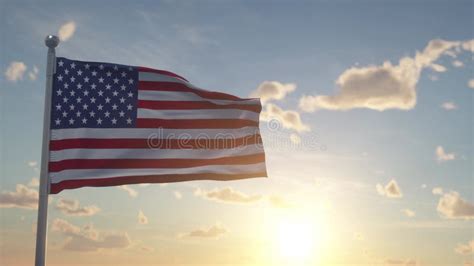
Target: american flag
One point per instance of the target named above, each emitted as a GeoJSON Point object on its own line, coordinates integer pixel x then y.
{"type": "Point", "coordinates": [114, 124]}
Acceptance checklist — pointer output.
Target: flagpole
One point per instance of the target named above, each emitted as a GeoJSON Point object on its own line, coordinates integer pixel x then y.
{"type": "Point", "coordinates": [51, 42]}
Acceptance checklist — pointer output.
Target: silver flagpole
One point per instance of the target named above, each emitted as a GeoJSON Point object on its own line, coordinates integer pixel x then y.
{"type": "Point", "coordinates": [51, 42]}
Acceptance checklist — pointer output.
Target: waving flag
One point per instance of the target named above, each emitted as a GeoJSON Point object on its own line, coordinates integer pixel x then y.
{"type": "Point", "coordinates": [115, 124]}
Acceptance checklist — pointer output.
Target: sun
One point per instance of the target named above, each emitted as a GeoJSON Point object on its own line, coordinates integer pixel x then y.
{"type": "Point", "coordinates": [295, 239]}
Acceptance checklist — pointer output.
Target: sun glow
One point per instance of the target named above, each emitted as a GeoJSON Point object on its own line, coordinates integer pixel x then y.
{"type": "Point", "coordinates": [294, 238]}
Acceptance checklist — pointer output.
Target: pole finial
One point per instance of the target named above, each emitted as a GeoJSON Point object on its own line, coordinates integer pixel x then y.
{"type": "Point", "coordinates": [51, 41]}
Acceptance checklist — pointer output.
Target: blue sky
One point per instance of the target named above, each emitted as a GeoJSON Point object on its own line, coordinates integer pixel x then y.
{"type": "Point", "coordinates": [235, 46]}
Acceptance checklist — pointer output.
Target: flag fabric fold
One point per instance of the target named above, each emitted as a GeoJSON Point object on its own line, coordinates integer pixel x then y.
{"type": "Point", "coordinates": [114, 124]}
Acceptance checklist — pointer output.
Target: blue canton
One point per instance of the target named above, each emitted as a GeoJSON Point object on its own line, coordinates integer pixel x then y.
{"type": "Point", "coordinates": [93, 95]}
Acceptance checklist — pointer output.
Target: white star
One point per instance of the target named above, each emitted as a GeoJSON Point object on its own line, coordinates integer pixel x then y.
{"type": "Point", "coordinates": [130, 81]}
{"type": "Point", "coordinates": [91, 113]}
{"type": "Point", "coordinates": [71, 121]}
{"type": "Point", "coordinates": [72, 93]}
{"type": "Point", "coordinates": [87, 66]}
{"type": "Point", "coordinates": [129, 121]}
{"type": "Point", "coordinates": [79, 72]}
{"type": "Point", "coordinates": [86, 79]}
{"type": "Point", "coordinates": [116, 80]}
{"type": "Point", "coordinates": [123, 87]}
{"type": "Point", "coordinates": [130, 94]}
{"type": "Point", "coordinates": [61, 63]}
{"type": "Point", "coordinates": [60, 78]}
{"type": "Point", "coordinates": [73, 79]}
{"type": "Point", "coordinates": [99, 107]}
{"type": "Point", "coordinates": [64, 114]}
{"type": "Point", "coordinates": [101, 80]}
{"type": "Point", "coordinates": [84, 120]}
{"type": "Point", "coordinates": [71, 107]}
{"type": "Point", "coordinates": [107, 100]}
{"type": "Point", "coordinates": [115, 93]}
{"type": "Point", "coordinates": [92, 100]}
{"type": "Point", "coordinates": [59, 92]}
{"type": "Point", "coordinates": [73, 65]}
{"type": "Point", "coordinates": [115, 67]}
{"type": "Point", "coordinates": [108, 74]}
{"type": "Point", "coordinates": [100, 93]}
{"type": "Point", "coordinates": [58, 121]}
{"type": "Point", "coordinates": [66, 71]}
{"type": "Point", "coordinates": [94, 73]}
{"type": "Point", "coordinates": [101, 67]}
{"type": "Point", "coordinates": [107, 87]}
{"type": "Point", "coordinates": [99, 121]}
{"type": "Point", "coordinates": [93, 86]}
{"type": "Point", "coordinates": [85, 106]}
{"type": "Point", "coordinates": [129, 107]}
{"type": "Point", "coordinates": [86, 92]}
{"type": "Point", "coordinates": [79, 86]}
{"type": "Point", "coordinates": [114, 107]}
{"type": "Point", "coordinates": [121, 113]}
{"type": "Point", "coordinates": [58, 107]}
{"type": "Point", "coordinates": [122, 100]}
{"type": "Point", "coordinates": [65, 99]}
{"type": "Point", "coordinates": [114, 121]}
{"type": "Point", "coordinates": [66, 85]}
{"type": "Point", "coordinates": [78, 114]}
{"type": "Point", "coordinates": [107, 114]}
{"type": "Point", "coordinates": [130, 68]}
{"type": "Point", "coordinates": [79, 99]}
{"type": "Point", "coordinates": [123, 74]}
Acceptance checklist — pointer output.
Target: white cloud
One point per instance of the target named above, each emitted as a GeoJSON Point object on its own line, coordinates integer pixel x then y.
{"type": "Point", "coordinates": [443, 156]}
{"type": "Point", "coordinates": [470, 83]}
{"type": "Point", "coordinates": [214, 231]}
{"type": "Point", "coordinates": [273, 90]}
{"type": "Point", "coordinates": [32, 163]}
{"type": "Point", "coordinates": [465, 249]}
{"type": "Point", "coordinates": [287, 118]}
{"type": "Point", "coordinates": [142, 219]}
{"type": "Point", "coordinates": [295, 138]}
{"type": "Point", "coordinates": [131, 192]}
{"type": "Point", "coordinates": [33, 74]}
{"type": "Point", "coordinates": [227, 195]}
{"type": "Point", "coordinates": [452, 206]}
{"type": "Point", "coordinates": [457, 63]}
{"type": "Point", "coordinates": [408, 212]}
{"type": "Point", "coordinates": [34, 182]}
{"type": "Point", "coordinates": [279, 202]}
{"type": "Point", "coordinates": [178, 195]}
{"type": "Point", "coordinates": [72, 208]}
{"type": "Point", "coordinates": [449, 106]}
{"type": "Point", "coordinates": [23, 197]}
{"type": "Point", "coordinates": [15, 71]}
{"type": "Point", "coordinates": [66, 31]}
{"type": "Point", "coordinates": [391, 190]}
{"type": "Point", "coordinates": [88, 239]}
{"type": "Point", "coordinates": [437, 191]}
{"type": "Point", "coordinates": [381, 87]}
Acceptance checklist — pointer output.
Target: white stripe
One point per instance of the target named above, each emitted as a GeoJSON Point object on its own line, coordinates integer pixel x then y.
{"type": "Point", "coordinates": [105, 173]}
{"type": "Point", "coordinates": [150, 76]}
{"type": "Point", "coordinates": [201, 114]}
{"type": "Point", "coordinates": [67, 154]}
{"type": "Point", "coordinates": [187, 96]}
{"type": "Point", "coordinates": [153, 133]}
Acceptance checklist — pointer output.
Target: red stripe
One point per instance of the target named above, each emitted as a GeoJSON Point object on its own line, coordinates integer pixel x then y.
{"type": "Point", "coordinates": [162, 72]}
{"type": "Point", "coordinates": [195, 105]}
{"type": "Point", "coordinates": [127, 180]}
{"type": "Point", "coordinates": [174, 86]}
{"type": "Point", "coordinates": [154, 143]}
{"type": "Point", "coordinates": [194, 123]}
{"type": "Point", "coordinates": [152, 163]}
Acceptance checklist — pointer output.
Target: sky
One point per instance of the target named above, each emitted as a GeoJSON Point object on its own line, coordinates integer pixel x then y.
{"type": "Point", "coordinates": [367, 124]}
